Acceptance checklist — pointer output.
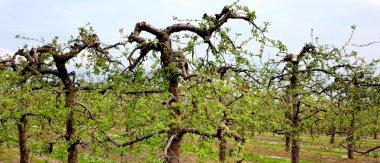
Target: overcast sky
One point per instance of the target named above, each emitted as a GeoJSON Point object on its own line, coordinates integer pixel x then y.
{"type": "Point", "coordinates": [291, 20]}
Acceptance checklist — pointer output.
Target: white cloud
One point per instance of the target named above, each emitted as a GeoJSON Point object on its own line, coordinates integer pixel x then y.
{"type": "Point", "coordinates": [5, 54]}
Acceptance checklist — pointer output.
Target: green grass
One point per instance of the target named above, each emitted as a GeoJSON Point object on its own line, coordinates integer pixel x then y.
{"type": "Point", "coordinates": [202, 151]}
{"type": "Point", "coordinates": [267, 159]}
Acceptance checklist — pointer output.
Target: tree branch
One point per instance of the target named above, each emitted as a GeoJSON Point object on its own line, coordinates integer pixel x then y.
{"type": "Point", "coordinates": [144, 137]}
{"type": "Point", "coordinates": [143, 92]}
{"type": "Point", "coordinates": [168, 143]}
{"type": "Point", "coordinates": [86, 108]}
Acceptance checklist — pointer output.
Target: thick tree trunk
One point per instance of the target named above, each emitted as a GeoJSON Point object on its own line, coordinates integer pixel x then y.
{"type": "Point", "coordinates": [69, 104]}
{"type": "Point", "coordinates": [73, 149]}
{"type": "Point", "coordinates": [222, 145]}
{"type": "Point", "coordinates": [332, 134]}
{"type": "Point", "coordinates": [350, 137]}
{"type": "Point", "coordinates": [294, 84]}
{"type": "Point", "coordinates": [70, 131]}
{"type": "Point", "coordinates": [174, 150]}
{"type": "Point", "coordinates": [341, 127]}
{"type": "Point", "coordinates": [287, 141]}
{"type": "Point", "coordinates": [22, 137]}
{"type": "Point", "coordinates": [288, 120]}
{"type": "Point", "coordinates": [295, 142]}
{"type": "Point", "coordinates": [312, 132]}
{"type": "Point", "coordinates": [376, 130]}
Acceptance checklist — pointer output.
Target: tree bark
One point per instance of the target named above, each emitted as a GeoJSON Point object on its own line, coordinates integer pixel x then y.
{"type": "Point", "coordinates": [69, 104]}
{"type": "Point", "coordinates": [294, 87]}
{"type": "Point", "coordinates": [287, 141]}
{"type": "Point", "coordinates": [22, 136]}
{"type": "Point", "coordinates": [332, 134]}
{"type": "Point", "coordinates": [295, 141]}
{"type": "Point", "coordinates": [375, 135]}
{"type": "Point", "coordinates": [350, 137]}
{"type": "Point", "coordinates": [222, 145]}
{"type": "Point", "coordinates": [311, 132]}
{"type": "Point", "coordinates": [73, 149]}
{"type": "Point", "coordinates": [288, 118]}
{"type": "Point", "coordinates": [174, 150]}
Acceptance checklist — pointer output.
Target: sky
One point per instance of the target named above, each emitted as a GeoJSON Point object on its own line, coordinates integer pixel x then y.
{"type": "Point", "coordinates": [291, 20]}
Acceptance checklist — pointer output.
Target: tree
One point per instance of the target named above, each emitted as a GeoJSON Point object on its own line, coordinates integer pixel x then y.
{"type": "Point", "coordinates": [175, 64]}
{"type": "Point", "coordinates": [50, 60]}
{"type": "Point", "coordinates": [303, 79]}
{"type": "Point", "coordinates": [355, 85]}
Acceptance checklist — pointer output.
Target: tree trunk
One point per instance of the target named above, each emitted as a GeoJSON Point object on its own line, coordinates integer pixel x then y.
{"type": "Point", "coordinates": [287, 141]}
{"type": "Point", "coordinates": [311, 132]}
{"type": "Point", "coordinates": [294, 88]}
{"type": "Point", "coordinates": [22, 137]}
{"type": "Point", "coordinates": [69, 104]}
{"type": "Point", "coordinates": [295, 142]}
{"type": "Point", "coordinates": [174, 150]}
{"type": "Point", "coordinates": [332, 134]}
{"type": "Point", "coordinates": [350, 137]}
{"type": "Point", "coordinates": [175, 147]}
{"type": "Point", "coordinates": [288, 120]}
{"type": "Point", "coordinates": [222, 145]}
{"type": "Point", "coordinates": [73, 149]}
{"type": "Point", "coordinates": [375, 135]}
{"type": "Point", "coordinates": [70, 130]}
{"type": "Point", "coordinates": [341, 127]}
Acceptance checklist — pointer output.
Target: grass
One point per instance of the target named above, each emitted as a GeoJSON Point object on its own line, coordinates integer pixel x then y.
{"type": "Point", "coordinates": [262, 148]}
{"type": "Point", "coordinates": [252, 157]}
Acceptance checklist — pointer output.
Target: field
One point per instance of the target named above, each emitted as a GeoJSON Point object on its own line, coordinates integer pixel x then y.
{"type": "Point", "coordinates": [260, 148]}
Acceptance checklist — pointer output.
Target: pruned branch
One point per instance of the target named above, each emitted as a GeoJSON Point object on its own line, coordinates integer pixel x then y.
{"type": "Point", "coordinates": [86, 108]}
{"type": "Point", "coordinates": [195, 131]}
{"type": "Point", "coordinates": [143, 92]}
{"type": "Point", "coordinates": [357, 151]}
{"type": "Point", "coordinates": [236, 136]}
{"type": "Point", "coordinates": [168, 143]}
{"type": "Point", "coordinates": [144, 137]}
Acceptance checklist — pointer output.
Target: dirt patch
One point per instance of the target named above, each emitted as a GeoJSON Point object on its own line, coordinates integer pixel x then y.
{"type": "Point", "coordinates": [270, 139]}
{"type": "Point", "coordinates": [307, 155]}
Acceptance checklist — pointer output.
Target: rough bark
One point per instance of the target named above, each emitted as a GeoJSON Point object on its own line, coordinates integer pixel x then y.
{"type": "Point", "coordinates": [174, 149]}
{"type": "Point", "coordinates": [69, 104]}
{"type": "Point", "coordinates": [287, 141]}
{"type": "Point", "coordinates": [295, 134]}
{"type": "Point", "coordinates": [22, 136]}
{"type": "Point", "coordinates": [350, 137]}
{"type": "Point", "coordinates": [222, 145]}
{"type": "Point", "coordinates": [295, 142]}
{"type": "Point", "coordinates": [294, 87]}
{"type": "Point", "coordinates": [332, 134]}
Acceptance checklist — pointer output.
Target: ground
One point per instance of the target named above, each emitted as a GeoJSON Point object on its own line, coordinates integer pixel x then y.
{"type": "Point", "coordinates": [260, 148]}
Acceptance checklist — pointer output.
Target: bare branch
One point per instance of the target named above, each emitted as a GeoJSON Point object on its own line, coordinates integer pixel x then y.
{"type": "Point", "coordinates": [168, 143]}
{"type": "Point", "coordinates": [144, 137]}
{"type": "Point", "coordinates": [357, 151]}
{"type": "Point", "coordinates": [195, 131]}
{"type": "Point", "coordinates": [143, 92]}
{"type": "Point", "coordinates": [86, 108]}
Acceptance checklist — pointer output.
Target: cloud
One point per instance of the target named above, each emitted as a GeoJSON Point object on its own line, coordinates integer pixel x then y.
{"type": "Point", "coordinates": [4, 51]}
{"type": "Point", "coordinates": [3, 3]}
{"type": "Point", "coordinates": [5, 54]}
